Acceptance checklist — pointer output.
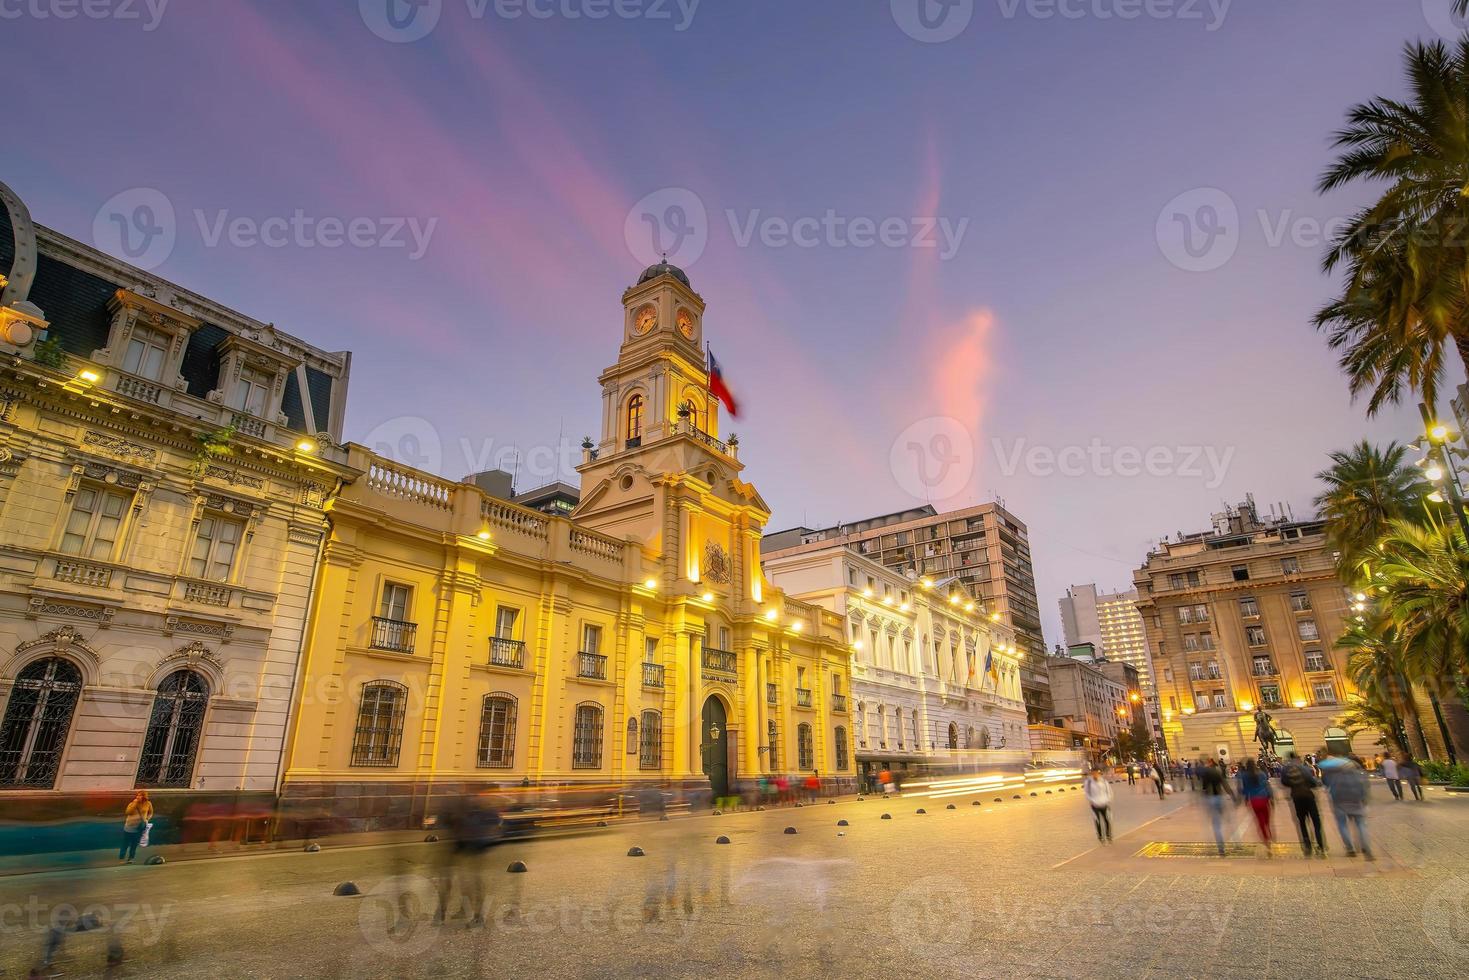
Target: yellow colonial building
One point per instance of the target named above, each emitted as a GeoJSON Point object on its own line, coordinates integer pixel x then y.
{"type": "Point", "coordinates": [460, 641]}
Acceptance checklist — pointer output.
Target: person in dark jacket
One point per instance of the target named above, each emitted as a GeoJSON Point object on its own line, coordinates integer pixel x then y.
{"type": "Point", "coordinates": [1346, 784]}
{"type": "Point", "coordinates": [1298, 778]}
{"type": "Point", "coordinates": [1214, 785]}
{"type": "Point", "coordinates": [1411, 775]}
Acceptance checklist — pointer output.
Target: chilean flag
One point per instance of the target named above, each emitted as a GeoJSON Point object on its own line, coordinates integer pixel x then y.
{"type": "Point", "coordinates": [718, 388]}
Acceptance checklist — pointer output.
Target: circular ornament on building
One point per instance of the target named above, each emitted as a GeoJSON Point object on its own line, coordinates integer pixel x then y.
{"type": "Point", "coordinates": [685, 323]}
{"type": "Point", "coordinates": [645, 319]}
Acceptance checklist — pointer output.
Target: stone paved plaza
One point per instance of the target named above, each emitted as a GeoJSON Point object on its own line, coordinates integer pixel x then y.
{"type": "Point", "coordinates": [1017, 888]}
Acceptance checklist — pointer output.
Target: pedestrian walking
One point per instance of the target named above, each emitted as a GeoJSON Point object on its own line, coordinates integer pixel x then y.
{"type": "Point", "coordinates": [1411, 776]}
{"type": "Point", "coordinates": [1346, 784]}
{"type": "Point", "coordinates": [137, 818]}
{"type": "Point", "coordinates": [1389, 767]}
{"type": "Point", "coordinates": [1131, 774]}
{"type": "Point", "coordinates": [1254, 785]}
{"type": "Point", "coordinates": [1188, 773]}
{"type": "Point", "coordinates": [1214, 785]}
{"type": "Point", "coordinates": [1298, 778]}
{"type": "Point", "coordinates": [1160, 780]}
{"type": "Point", "coordinates": [1099, 797]}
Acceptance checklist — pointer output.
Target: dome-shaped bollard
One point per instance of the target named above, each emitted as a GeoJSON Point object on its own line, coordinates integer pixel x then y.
{"type": "Point", "coordinates": [431, 839]}
{"type": "Point", "coordinates": [842, 823]}
{"type": "Point", "coordinates": [347, 888]}
{"type": "Point", "coordinates": [516, 868]}
{"type": "Point", "coordinates": [312, 848]}
{"type": "Point", "coordinates": [887, 816]}
{"type": "Point", "coordinates": [920, 810]}
{"type": "Point", "coordinates": [951, 807]}
{"type": "Point", "coordinates": [721, 839]}
{"type": "Point", "coordinates": [156, 859]}
{"type": "Point", "coordinates": [790, 830]}
{"type": "Point", "coordinates": [634, 852]}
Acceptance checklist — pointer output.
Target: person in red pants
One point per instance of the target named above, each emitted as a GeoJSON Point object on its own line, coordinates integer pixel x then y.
{"type": "Point", "coordinates": [1254, 784]}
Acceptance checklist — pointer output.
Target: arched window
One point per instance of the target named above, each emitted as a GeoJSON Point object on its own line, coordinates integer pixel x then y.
{"type": "Point", "coordinates": [632, 736]}
{"type": "Point", "coordinates": [953, 735]}
{"type": "Point", "coordinates": [984, 738]}
{"type": "Point", "coordinates": [650, 753]}
{"type": "Point", "coordinates": [379, 732]}
{"type": "Point", "coordinates": [635, 421]}
{"type": "Point", "coordinates": [586, 743]}
{"type": "Point", "coordinates": [841, 737]}
{"type": "Point", "coordinates": [497, 731]}
{"type": "Point", "coordinates": [174, 730]}
{"type": "Point", "coordinates": [37, 718]}
{"type": "Point", "coordinates": [772, 739]}
{"type": "Point", "coordinates": [805, 749]}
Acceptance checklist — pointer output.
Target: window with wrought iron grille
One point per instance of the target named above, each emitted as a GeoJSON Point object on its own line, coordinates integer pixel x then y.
{"type": "Point", "coordinates": [175, 729]}
{"type": "Point", "coordinates": [215, 544]}
{"type": "Point", "coordinates": [497, 732]}
{"type": "Point", "coordinates": [95, 522]}
{"type": "Point", "coordinates": [772, 742]}
{"type": "Point", "coordinates": [37, 719]}
{"type": "Point", "coordinates": [379, 732]}
{"type": "Point", "coordinates": [650, 750]}
{"type": "Point", "coordinates": [586, 745]}
{"type": "Point", "coordinates": [841, 738]}
{"type": "Point", "coordinates": [1306, 630]}
{"type": "Point", "coordinates": [805, 749]}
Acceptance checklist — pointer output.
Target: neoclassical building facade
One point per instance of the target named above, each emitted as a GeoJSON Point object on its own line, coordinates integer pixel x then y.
{"type": "Point", "coordinates": [165, 463]}
{"type": "Point", "coordinates": [936, 681]}
{"type": "Point", "coordinates": [461, 641]}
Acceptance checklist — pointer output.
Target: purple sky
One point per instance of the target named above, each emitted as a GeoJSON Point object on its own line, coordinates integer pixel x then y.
{"type": "Point", "coordinates": [1047, 146]}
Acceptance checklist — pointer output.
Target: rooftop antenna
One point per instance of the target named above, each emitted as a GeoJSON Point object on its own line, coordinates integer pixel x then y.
{"type": "Point", "coordinates": [515, 471]}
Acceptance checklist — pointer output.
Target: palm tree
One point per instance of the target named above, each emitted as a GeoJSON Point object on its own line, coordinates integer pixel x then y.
{"type": "Point", "coordinates": [1374, 662]}
{"type": "Point", "coordinates": [1367, 489]}
{"type": "Point", "coordinates": [1365, 715]}
{"type": "Point", "coordinates": [1406, 295]}
{"type": "Point", "coordinates": [1422, 575]}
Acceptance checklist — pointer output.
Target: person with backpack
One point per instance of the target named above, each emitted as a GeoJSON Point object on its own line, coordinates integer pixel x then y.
{"type": "Point", "coordinates": [1346, 784]}
{"type": "Point", "coordinates": [1298, 778]}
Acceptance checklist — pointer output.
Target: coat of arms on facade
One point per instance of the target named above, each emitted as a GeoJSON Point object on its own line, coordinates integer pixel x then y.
{"type": "Point", "coordinates": [716, 563]}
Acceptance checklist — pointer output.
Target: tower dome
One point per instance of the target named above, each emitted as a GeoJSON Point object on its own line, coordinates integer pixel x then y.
{"type": "Point", "coordinates": [664, 269]}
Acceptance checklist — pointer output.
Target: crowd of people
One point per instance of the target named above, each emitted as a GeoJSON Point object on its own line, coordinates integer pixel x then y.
{"type": "Point", "coordinates": [1343, 777]}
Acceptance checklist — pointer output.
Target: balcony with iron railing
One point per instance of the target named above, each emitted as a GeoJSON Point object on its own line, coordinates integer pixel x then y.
{"type": "Point", "coordinates": [719, 663]}
{"type": "Point", "coordinates": [395, 635]}
{"type": "Point", "coordinates": [505, 652]}
{"type": "Point", "coordinates": [653, 675]}
{"type": "Point", "coordinates": [591, 665]}
{"type": "Point", "coordinates": [839, 702]}
{"type": "Point", "coordinates": [803, 697]}
{"type": "Point", "coordinates": [1264, 670]}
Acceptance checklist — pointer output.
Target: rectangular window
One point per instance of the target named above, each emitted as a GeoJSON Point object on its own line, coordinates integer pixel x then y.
{"type": "Point", "coordinates": [1190, 641]}
{"type": "Point", "coordinates": [1290, 566]}
{"type": "Point", "coordinates": [505, 622]}
{"type": "Point", "coordinates": [1249, 608]}
{"type": "Point", "coordinates": [1168, 673]}
{"type": "Point", "coordinates": [1315, 661]}
{"type": "Point", "coordinates": [1263, 667]}
{"type": "Point", "coordinates": [1173, 702]}
{"type": "Point", "coordinates": [1218, 699]}
{"type": "Point", "coordinates": [1241, 573]}
{"type": "Point", "coordinates": [1323, 692]}
{"type": "Point", "coordinates": [1300, 602]}
{"type": "Point", "coordinates": [94, 523]}
{"type": "Point", "coordinates": [497, 732]}
{"type": "Point", "coordinates": [1195, 672]}
{"type": "Point", "coordinates": [251, 392]}
{"type": "Point", "coordinates": [1213, 670]}
{"type": "Point", "coordinates": [215, 545]}
{"type": "Point", "coordinates": [650, 650]}
{"type": "Point", "coordinates": [395, 602]}
{"type": "Point", "coordinates": [147, 351]}
{"type": "Point", "coordinates": [591, 638]}
{"type": "Point", "coordinates": [650, 745]}
{"type": "Point", "coordinates": [1306, 630]}
{"type": "Point", "coordinates": [1255, 636]}
{"type": "Point", "coordinates": [1270, 694]}
{"type": "Point", "coordinates": [1206, 641]}
{"type": "Point", "coordinates": [1185, 614]}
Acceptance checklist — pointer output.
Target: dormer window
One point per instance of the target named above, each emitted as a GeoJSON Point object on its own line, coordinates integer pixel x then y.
{"type": "Point", "coordinates": [252, 392]}
{"type": "Point", "coordinates": [147, 352]}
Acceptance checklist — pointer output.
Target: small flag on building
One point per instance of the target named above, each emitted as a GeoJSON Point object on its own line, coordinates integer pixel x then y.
{"type": "Point", "coordinates": [718, 388]}
{"type": "Point", "coordinates": [989, 666]}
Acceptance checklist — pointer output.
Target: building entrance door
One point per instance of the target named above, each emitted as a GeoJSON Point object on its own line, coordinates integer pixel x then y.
{"type": "Point", "coordinates": [714, 747]}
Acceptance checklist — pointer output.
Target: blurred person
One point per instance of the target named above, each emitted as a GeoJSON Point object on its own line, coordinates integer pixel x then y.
{"type": "Point", "coordinates": [1411, 775]}
{"type": "Point", "coordinates": [1160, 780]}
{"type": "Point", "coordinates": [813, 787]}
{"type": "Point", "coordinates": [1298, 778]}
{"type": "Point", "coordinates": [1188, 772]}
{"type": "Point", "coordinates": [1214, 785]}
{"type": "Point", "coordinates": [1099, 797]}
{"type": "Point", "coordinates": [1346, 784]}
{"type": "Point", "coordinates": [1254, 785]}
{"type": "Point", "coordinates": [1389, 767]}
{"type": "Point", "coordinates": [1131, 774]}
{"type": "Point", "coordinates": [135, 822]}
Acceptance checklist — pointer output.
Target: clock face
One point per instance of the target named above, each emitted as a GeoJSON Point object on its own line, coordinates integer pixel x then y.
{"type": "Point", "coordinates": [645, 319]}
{"type": "Point", "coordinates": [686, 324]}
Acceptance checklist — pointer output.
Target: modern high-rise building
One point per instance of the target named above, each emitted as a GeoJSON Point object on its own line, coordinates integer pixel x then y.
{"type": "Point", "coordinates": [1243, 617]}
{"type": "Point", "coordinates": [985, 548]}
{"type": "Point", "coordinates": [1111, 622]}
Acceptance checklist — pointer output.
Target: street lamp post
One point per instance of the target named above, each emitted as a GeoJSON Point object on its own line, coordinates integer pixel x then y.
{"type": "Point", "coordinates": [1439, 451]}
